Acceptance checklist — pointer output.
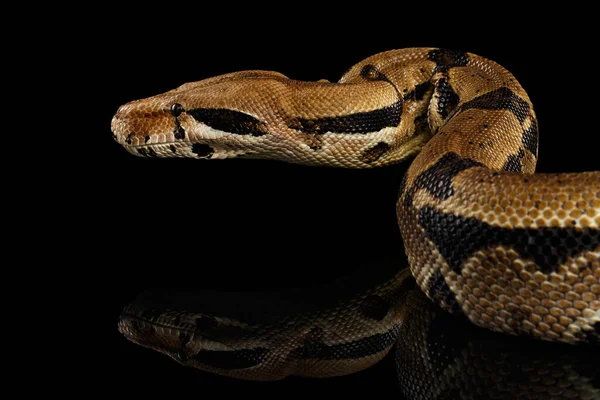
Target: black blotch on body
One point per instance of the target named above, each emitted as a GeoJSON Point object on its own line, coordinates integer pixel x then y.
{"type": "Point", "coordinates": [446, 59]}
{"type": "Point", "coordinates": [231, 121]}
{"type": "Point", "coordinates": [375, 307]}
{"type": "Point", "coordinates": [142, 151]}
{"type": "Point", "coordinates": [152, 153]}
{"type": "Point", "coordinates": [350, 350]}
{"type": "Point", "coordinates": [374, 153]}
{"type": "Point", "coordinates": [236, 359]}
{"type": "Point", "coordinates": [173, 148]}
{"type": "Point", "coordinates": [439, 290]}
{"type": "Point", "coordinates": [447, 99]}
{"type": "Point", "coordinates": [128, 138]}
{"type": "Point", "coordinates": [202, 150]}
{"type": "Point", "coordinates": [146, 138]}
{"type": "Point", "coordinates": [408, 200]}
{"type": "Point", "coordinates": [437, 179]}
{"type": "Point", "coordinates": [500, 99]}
{"type": "Point", "coordinates": [531, 138]}
{"type": "Point", "coordinates": [418, 92]}
{"type": "Point", "coordinates": [457, 238]}
{"type": "Point", "coordinates": [357, 123]}
{"type": "Point", "coordinates": [513, 163]}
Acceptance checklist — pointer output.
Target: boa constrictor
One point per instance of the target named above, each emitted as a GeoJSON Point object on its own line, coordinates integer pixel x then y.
{"type": "Point", "coordinates": [513, 251]}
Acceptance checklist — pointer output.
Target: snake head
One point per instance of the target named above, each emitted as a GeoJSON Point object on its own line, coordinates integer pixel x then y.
{"type": "Point", "coordinates": [220, 117]}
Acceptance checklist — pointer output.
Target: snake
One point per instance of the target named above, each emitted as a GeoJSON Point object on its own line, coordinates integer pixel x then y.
{"type": "Point", "coordinates": [488, 239]}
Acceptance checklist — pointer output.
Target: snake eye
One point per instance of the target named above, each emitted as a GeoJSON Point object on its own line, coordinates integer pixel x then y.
{"type": "Point", "coordinates": [177, 109]}
{"type": "Point", "coordinates": [370, 72]}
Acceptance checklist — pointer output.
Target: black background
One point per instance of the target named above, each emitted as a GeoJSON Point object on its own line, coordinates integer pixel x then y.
{"type": "Point", "coordinates": [256, 225]}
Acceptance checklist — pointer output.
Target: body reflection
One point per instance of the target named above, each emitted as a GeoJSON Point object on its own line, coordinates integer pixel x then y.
{"type": "Point", "coordinates": [332, 330]}
{"type": "Point", "coordinates": [348, 326]}
{"type": "Point", "coordinates": [439, 356]}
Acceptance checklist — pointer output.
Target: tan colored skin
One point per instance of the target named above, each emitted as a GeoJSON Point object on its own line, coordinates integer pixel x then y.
{"type": "Point", "coordinates": [495, 288]}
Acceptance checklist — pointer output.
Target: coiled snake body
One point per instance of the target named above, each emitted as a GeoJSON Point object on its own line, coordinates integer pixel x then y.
{"type": "Point", "coordinates": [513, 251]}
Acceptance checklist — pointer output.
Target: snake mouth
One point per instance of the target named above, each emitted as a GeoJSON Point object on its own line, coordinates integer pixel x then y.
{"type": "Point", "coordinates": [172, 150]}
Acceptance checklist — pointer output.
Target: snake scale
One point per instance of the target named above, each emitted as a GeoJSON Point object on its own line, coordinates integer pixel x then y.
{"type": "Point", "coordinates": [513, 251]}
